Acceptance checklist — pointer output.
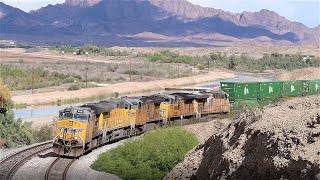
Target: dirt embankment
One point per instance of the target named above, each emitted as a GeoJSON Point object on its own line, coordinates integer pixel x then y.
{"type": "Point", "coordinates": [280, 142]}
{"type": "Point", "coordinates": [203, 131]}
{"type": "Point", "coordinates": [299, 74]}
{"type": "Point", "coordinates": [121, 88]}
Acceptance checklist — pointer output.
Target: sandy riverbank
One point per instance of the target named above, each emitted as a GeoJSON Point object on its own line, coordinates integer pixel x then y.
{"type": "Point", "coordinates": [121, 88]}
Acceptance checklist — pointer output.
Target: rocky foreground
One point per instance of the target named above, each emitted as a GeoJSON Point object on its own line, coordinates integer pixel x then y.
{"type": "Point", "coordinates": [278, 142]}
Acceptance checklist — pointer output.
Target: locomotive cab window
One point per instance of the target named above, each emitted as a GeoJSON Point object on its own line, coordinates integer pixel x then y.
{"type": "Point", "coordinates": [135, 105]}
{"type": "Point", "coordinates": [81, 117]}
{"type": "Point", "coordinates": [65, 115]}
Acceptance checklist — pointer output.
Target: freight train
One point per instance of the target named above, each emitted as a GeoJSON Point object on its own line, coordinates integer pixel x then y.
{"type": "Point", "coordinates": [80, 129]}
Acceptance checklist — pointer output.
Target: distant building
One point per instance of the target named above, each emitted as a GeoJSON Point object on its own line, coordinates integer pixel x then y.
{"type": "Point", "coordinates": [7, 43]}
{"type": "Point", "coordinates": [307, 57]}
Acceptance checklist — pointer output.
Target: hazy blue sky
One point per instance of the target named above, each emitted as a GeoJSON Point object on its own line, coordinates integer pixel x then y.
{"type": "Point", "coordinates": [305, 11]}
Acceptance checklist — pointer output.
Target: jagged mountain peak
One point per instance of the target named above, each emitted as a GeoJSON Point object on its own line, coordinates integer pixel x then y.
{"type": "Point", "coordinates": [185, 8]}
{"type": "Point", "coordinates": [82, 3]}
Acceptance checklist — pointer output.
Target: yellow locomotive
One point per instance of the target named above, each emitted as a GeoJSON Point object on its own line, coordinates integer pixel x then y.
{"type": "Point", "coordinates": [85, 127]}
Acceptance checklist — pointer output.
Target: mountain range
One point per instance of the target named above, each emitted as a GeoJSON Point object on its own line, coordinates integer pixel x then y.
{"type": "Point", "coordinates": [149, 23]}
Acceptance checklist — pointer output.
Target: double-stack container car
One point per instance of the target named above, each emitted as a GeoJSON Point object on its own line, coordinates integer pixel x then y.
{"type": "Point", "coordinates": [253, 94]}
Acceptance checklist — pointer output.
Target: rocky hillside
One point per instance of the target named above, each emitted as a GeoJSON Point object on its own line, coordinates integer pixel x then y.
{"type": "Point", "coordinates": [280, 142]}
{"type": "Point", "coordinates": [82, 3]}
{"type": "Point", "coordinates": [170, 22]}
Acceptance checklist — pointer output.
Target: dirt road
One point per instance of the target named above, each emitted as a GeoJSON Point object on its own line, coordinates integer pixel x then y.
{"type": "Point", "coordinates": [121, 88]}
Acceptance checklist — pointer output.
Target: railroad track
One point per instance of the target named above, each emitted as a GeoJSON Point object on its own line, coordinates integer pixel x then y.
{"type": "Point", "coordinates": [10, 164]}
{"type": "Point", "coordinates": [59, 168]}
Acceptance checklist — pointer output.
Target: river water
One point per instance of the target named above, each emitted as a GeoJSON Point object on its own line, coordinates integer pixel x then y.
{"type": "Point", "coordinates": [53, 110]}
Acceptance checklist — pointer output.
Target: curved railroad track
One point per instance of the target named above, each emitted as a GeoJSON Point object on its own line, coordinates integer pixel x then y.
{"type": "Point", "coordinates": [10, 164]}
{"type": "Point", "coordinates": [59, 168]}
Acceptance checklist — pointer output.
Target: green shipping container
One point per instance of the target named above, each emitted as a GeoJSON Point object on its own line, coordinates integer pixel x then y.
{"type": "Point", "coordinates": [270, 90]}
{"type": "Point", "coordinates": [292, 88]}
{"type": "Point", "coordinates": [247, 90]}
{"type": "Point", "coordinates": [314, 87]}
{"type": "Point", "coordinates": [228, 88]}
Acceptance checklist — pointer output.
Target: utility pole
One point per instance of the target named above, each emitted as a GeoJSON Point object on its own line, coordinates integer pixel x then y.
{"type": "Point", "coordinates": [74, 56]}
{"type": "Point", "coordinates": [208, 65]}
{"type": "Point", "coordinates": [130, 70]}
{"type": "Point", "coordinates": [178, 69]}
{"type": "Point", "coordinates": [32, 79]}
{"type": "Point", "coordinates": [86, 69]}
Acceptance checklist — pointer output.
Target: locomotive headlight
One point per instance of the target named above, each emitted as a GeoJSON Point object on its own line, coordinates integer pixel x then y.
{"type": "Point", "coordinates": [61, 136]}
{"type": "Point", "coordinates": [75, 138]}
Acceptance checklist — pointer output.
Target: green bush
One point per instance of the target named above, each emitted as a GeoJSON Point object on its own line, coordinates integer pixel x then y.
{"type": "Point", "coordinates": [237, 63]}
{"type": "Point", "coordinates": [14, 132]}
{"type": "Point", "coordinates": [200, 66]}
{"type": "Point", "coordinates": [70, 80]}
{"type": "Point", "coordinates": [150, 157]}
{"type": "Point", "coordinates": [90, 49]}
{"type": "Point", "coordinates": [21, 79]}
{"type": "Point", "coordinates": [170, 57]}
{"type": "Point", "coordinates": [59, 102]}
{"type": "Point", "coordinates": [45, 133]}
{"type": "Point", "coordinates": [74, 88]}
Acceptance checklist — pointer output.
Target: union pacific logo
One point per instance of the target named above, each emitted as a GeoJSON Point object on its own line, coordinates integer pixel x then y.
{"type": "Point", "coordinates": [70, 130]}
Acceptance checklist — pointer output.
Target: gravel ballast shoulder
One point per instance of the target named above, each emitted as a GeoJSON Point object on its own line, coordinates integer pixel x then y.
{"type": "Point", "coordinates": [36, 167]}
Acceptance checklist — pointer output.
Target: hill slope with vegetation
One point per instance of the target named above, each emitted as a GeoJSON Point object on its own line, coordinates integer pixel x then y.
{"type": "Point", "coordinates": [149, 157]}
{"type": "Point", "coordinates": [14, 132]}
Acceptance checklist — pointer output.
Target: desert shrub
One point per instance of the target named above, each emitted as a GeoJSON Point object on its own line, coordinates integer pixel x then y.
{"type": "Point", "coordinates": [74, 88]}
{"type": "Point", "coordinates": [18, 78]}
{"type": "Point", "coordinates": [59, 102]}
{"type": "Point", "coordinates": [45, 133]}
{"type": "Point", "coordinates": [21, 105]}
{"type": "Point", "coordinates": [32, 50]}
{"type": "Point", "coordinates": [150, 157]}
{"type": "Point", "coordinates": [112, 67]}
{"type": "Point", "coordinates": [200, 66]}
{"type": "Point", "coordinates": [169, 57]}
{"type": "Point", "coordinates": [91, 49]}
{"type": "Point", "coordinates": [132, 72]}
{"type": "Point", "coordinates": [70, 80]}
{"type": "Point", "coordinates": [238, 63]}
{"type": "Point", "coordinates": [249, 64]}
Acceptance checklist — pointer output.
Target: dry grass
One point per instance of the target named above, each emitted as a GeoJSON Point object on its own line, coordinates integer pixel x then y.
{"type": "Point", "coordinates": [121, 88]}
{"type": "Point", "coordinates": [299, 74]}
